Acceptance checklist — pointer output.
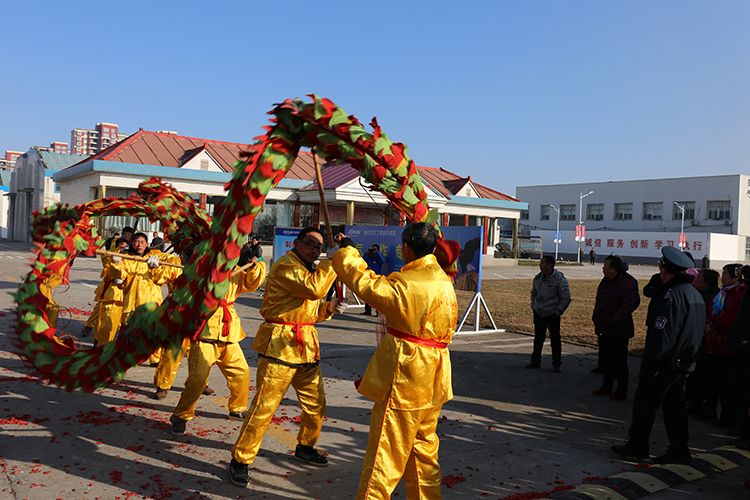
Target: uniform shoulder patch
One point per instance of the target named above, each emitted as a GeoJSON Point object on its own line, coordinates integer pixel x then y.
{"type": "Point", "coordinates": [660, 322]}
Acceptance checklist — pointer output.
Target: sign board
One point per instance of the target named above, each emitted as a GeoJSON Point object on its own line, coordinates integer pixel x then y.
{"type": "Point", "coordinates": [282, 240]}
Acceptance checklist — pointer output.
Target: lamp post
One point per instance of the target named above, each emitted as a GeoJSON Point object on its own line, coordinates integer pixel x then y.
{"type": "Point", "coordinates": [580, 231]}
{"type": "Point", "coordinates": [682, 244]}
{"type": "Point", "coordinates": [557, 232]}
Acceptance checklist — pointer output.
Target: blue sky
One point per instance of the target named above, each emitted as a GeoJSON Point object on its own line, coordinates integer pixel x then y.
{"type": "Point", "coordinates": [512, 93]}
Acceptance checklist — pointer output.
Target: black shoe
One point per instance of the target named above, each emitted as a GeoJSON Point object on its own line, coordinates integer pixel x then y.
{"type": "Point", "coordinates": [177, 426]}
{"type": "Point", "coordinates": [705, 415]}
{"type": "Point", "coordinates": [208, 391]}
{"type": "Point", "coordinates": [237, 415]}
{"type": "Point", "coordinates": [238, 474]}
{"type": "Point", "coordinates": [161, 393]}
{"type": "Point", "coordinates": [673, 458]}
{"type": "Point", "coordinates": [533, 366]}
{"type": "Point", "coordinates": [596, 370]}
{"type": "Point", "coordinates": [625, 452]}
{"type": "Point", "coordinates": [310, 455]}
{"type": "Point", "coordinates": [366, 313]}
{"type": "Point", "coordinates": [557, 368]}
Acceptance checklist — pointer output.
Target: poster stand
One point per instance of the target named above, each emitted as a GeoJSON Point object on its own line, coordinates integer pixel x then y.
{"type": "Point", "coordinates": [475, 304]}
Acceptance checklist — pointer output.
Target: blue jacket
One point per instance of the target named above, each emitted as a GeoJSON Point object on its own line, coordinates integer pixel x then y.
{"type": "Point", "coordinates": [374, 262]}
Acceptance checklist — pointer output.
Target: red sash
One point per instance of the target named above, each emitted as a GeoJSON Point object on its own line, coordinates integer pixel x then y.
{"type": "Point", "coordinates": [297, 331]}
{"type": "Point", "coordinates": [417, 340]}
{"type": "Point", "coordinates": [226, 319]}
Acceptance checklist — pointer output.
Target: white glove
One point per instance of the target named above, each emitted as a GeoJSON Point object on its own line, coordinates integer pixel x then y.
{"type": "Point", "coordinates": [118, 281]}
{"type": "Point", "coordinates": [339, 306]}
{"type": "Point", "coordinates": [330, 252]}
{"type": "Point", "coordinates": [116, 260]}
{"type": "Point", "coordinates": [152, 261]}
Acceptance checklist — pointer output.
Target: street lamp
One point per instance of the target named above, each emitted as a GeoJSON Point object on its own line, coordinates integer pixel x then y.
{"type": "Point", "coordinates": [557, 232]}
{"type": "Point", "coordinates": [580, 231]}
{"type": "Point", "coordinates": [682, 243]}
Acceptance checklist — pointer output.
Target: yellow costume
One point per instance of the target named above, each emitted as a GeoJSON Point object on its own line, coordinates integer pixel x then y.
{"type": "Point", "coordinates": [409, 376]}
{"type": "Point", "coordinates": [109, 306]}
{"type": "Point", "coordinates": [287, 343]}
{"type": "Point", "coordinates": [219, 343]}
{"type": "Point", "coordinates": [143, 284]}
{"type": "Point", "coordinates": [53, 308]}
{"type": "Point", "coordinates": [93, 322]}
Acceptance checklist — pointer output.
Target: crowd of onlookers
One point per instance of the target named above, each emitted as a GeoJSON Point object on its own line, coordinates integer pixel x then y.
{"type": "Point", "coordinates": [705, 351]}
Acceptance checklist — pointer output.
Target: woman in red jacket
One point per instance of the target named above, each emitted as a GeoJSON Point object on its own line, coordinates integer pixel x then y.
{"type": "Point", "coordinates": [720, 315]}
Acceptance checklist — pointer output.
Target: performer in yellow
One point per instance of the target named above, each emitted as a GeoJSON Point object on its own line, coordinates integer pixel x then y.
{"type": "Point", "coordinates": [169, 362]}
{"type": "Point", "coordinates": [287, 346]}
{"type": "Point", "coordinates": [219, 343]}
{"type": "Point", "coordinates": [53, 308]}
{"type": "Point", "coordinates": [409, 376]}
{"type": "Point", "coordinates": [110, 245]}
{"type": "Point", "coordinates": [108, 299]}
{"type": "Point", "coordinates": [143, 280]}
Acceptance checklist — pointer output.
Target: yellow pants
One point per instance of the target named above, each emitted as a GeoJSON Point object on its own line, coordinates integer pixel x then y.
{"type": "Point", "coordinates": [231, 361]}
{"type": "Point", "coordinates": [401, 443]}
{"type": "Point", "coordinates": [108, 321]}
{"type": "Point", "coordinates": [166, 371]}
{"type": "Point", "coordinates": [94, 318]}
{"type": "Point", "coordinates": [273, 380]}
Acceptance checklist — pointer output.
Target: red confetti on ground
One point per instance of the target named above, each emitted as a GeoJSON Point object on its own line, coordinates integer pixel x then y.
{"type": "Point", "coordinates": [73, 310]}
{"type": "Point", "coordinates": [116, 476]}
{"type": "Point", "coordinates": [14, 420]}
{"type": "Point", "coordinates": [449, 481]}
{"type": "Point", "coordinates": [135, 448]}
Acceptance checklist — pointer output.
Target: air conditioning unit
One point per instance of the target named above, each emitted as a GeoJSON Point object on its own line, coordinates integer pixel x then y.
{"type": "Point", "coordinates": [728, 222]}
{"type": "Point", "coordinates": [694, 223]}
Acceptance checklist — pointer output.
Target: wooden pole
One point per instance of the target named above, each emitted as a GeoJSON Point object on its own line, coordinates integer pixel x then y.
{"type": "Point", "coordinates": [323, 205]}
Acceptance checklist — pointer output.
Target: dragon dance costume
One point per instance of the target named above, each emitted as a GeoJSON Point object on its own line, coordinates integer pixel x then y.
{"type": "Point", "coordinates": [219, 343]}
{"type": "Point", "coordinates": [287, 344]}
{"type": "Point", "coordinates": [409, 376]}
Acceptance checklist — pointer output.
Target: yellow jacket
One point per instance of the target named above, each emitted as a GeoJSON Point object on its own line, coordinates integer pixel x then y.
{"type": "Point", "coordinates": [244, 282]}
{"type": "Point", "coordinates": [143, 285]}
{"type": "Point", "coordinates": [420, 301]}
{"type": "Point", "coordinates": [294, 295]}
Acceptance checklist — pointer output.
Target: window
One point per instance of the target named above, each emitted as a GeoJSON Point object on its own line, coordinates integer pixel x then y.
{"type": "Point", "coordinates": [567, 212]}
{"type": "Point", "coordinates": [623, 211]}
{"type": "Point", "coordinates": [595, 211]}
{"type": "Point", "coordinates": [544, 212]}
{"type": "Point", "coordinates": [689, 207]}
{"type": "Point", "coordinates": [524, 215]}
{"type": "Point", "coordinates": [652, 211]}
{"type": "Point", "coordinates": [718, 210]}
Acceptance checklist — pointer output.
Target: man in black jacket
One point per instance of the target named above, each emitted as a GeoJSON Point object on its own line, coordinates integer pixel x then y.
{"type": "Point", "coordinates": [672, 345]}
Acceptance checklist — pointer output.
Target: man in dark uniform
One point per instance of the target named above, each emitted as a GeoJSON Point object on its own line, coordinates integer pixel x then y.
{"type": "Point", "coordinates": [673, 342]}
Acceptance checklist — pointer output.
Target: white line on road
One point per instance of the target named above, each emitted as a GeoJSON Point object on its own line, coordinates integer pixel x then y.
{"type": "Point", "coordinates": [499, 276]}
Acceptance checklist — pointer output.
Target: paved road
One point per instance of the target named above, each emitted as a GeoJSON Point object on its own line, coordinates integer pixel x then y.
{"type": "Point", "coordinates": [508, 430]}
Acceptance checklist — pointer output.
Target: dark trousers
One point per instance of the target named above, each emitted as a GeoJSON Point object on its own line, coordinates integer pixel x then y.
{"type": "Point", "coordinates": [665, 389]}
{"type": "Point", "coordinates": [613, 360]}
{"type": "Point", "coordinates": [541, 325]}
{"type": "Point", "coordinates": [722, 387]}
{"type": "Point", "coordinates": [742, 372]}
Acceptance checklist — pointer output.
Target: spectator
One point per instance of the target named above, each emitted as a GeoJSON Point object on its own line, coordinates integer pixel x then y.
{"type": "Point", "coordinates": [720, 316]}
{"type": "Point", "coordinates": [592, 256]}
{"type": "Point", "coordinates": [550, 297]}
{"type": "Point", "coordinates": [157, 242]}
{"type": "Point", "coordinates": [739, 343]}
{"type": "Point", "coordinates": [672, 344]}
{"type": "Point", "coordinates": [705, 263]}
{"type": "Point", "coordinates": [616, 299]}
{"type": "Point", "coordinates": [375, 261]}
{"type": "Point", "coordinates": [250, 250]}
{"type": "Point", "coordinates": [707, 284]}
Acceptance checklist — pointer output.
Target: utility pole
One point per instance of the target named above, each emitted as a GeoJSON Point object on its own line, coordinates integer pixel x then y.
{"type": "Point", "coordinates": [580, 231]}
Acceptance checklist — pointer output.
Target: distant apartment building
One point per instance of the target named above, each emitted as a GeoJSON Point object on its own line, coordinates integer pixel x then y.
{"type": "Point", "coordinates": [8, 162]}
{"type": "Point", "coordinates": [90, 142]}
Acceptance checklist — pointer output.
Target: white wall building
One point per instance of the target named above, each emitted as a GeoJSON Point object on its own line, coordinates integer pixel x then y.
{"type": "Point", "coordinates": [636, 218]}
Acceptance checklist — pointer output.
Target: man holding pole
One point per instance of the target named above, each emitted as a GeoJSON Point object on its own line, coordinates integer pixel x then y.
{"type": "Point", "coordinates": [409, 376]}
{"type": "Point", "coordinates": [289, 353]}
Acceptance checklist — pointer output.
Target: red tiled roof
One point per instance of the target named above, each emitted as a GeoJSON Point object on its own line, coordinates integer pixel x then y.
{"type": "Point", "coordinates": [171, 150]}
{"type": "Point", "coordinates": [334, 176]}
{"type": "Point", "coordinates": [445, 182]}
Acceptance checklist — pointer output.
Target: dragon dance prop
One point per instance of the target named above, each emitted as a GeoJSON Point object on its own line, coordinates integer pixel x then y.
{"type": "Point", "coordinates": [62, 232]}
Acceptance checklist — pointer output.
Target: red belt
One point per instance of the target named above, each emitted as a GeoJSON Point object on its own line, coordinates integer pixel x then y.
{"type": "Point", "coordinates": [226, 319]}
{"type": "Point", "coordinates": [416, 340]}
{"type": "Point", "coordinates": [297, 329]}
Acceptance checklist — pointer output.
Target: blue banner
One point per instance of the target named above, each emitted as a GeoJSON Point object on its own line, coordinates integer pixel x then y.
{"type": "Point", "coordinates": [471, 239]}
{"type": "Point", "coordinates": [282, 241]}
